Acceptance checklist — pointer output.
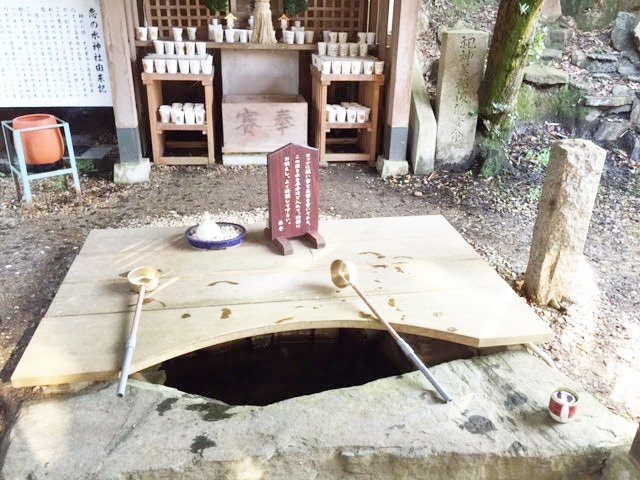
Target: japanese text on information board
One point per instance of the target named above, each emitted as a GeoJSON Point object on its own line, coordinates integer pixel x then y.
{"type": "Point", "coordinates": [52, 54]}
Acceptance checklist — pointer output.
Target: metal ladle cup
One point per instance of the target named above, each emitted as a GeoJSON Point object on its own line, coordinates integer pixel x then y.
{"type": "Point", "coordinates": [143, 279]}
{"type": "Point", "coordinates": [344, 273]}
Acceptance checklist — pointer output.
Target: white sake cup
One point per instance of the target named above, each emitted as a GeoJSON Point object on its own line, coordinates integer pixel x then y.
{"type": "Point", "coordinates": [230, 35]}
{"type": "Point", "coordinates": [160, 66]}
{"type": "Point", "coordinates": [152, 33]}
{"type": "Point", "coordinates": [299, 37]}
{"type": "Point", "coordinates": [322, 48]}
{"type": "Point", "coordinates": [177, 34]}
{"type": "Point", "coordinates": [191, 33]}
{"type": "Point", "coordinates": [200, 116]}
{"type": "Point", "coordinates": [367, 67]}
{"type": "Point", "coordinates": [142, 34]}
{"type": "Point", "coordinates": [378, 68]}
{"type": "Point", "coordinates": [194, 66]}
{"type": "Point", "coordinates": [308, 36]}
{"type": "Point", "coordinates": [169, 48]}
{"type": "Point", "coordinates": [172, 65]}
{"type": "Point", "coordinates": [159, 46]}
{"type": "Point", "coordinates": [201, 48]}
{"type": "Point", "coordinates": [184, 66]}
{"type": "Point", "coordinates": [336, 67]}
{"type": "Point", "coordinates": [147, 65]}
{"type": "Point", "coordinates": [189, 117]}
{"type": "Point", "coordinates": [180, 48]}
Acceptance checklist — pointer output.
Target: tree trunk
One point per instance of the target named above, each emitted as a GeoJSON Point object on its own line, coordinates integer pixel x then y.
{"type": "Point", "coordinates": [514, 30]}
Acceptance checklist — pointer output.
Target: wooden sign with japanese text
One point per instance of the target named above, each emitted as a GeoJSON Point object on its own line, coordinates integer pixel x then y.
{"type": "Point", "coordinates": [53, 54]}
{"type": "Point", "coordinates": [294, 194]}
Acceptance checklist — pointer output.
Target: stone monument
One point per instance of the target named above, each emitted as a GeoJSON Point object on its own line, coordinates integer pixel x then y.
{"type": "Point", "coordinates": [559, 234]}
{"type": "Point", "coordinates": [460, 72]}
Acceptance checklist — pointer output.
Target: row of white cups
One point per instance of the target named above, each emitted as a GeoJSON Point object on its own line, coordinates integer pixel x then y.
{"type": "Point", "coordinates": [181, 114]}
{"type": "Point", "coordinates": [335, 66]}
{"type": "Point", "coordinates": [182, 65]}
{"type": "Point", "coordinates": [349, 112]}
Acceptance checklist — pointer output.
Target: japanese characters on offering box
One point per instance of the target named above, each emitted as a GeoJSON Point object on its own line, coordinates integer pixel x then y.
{"type": "Point", "coordinates": [52, 54]}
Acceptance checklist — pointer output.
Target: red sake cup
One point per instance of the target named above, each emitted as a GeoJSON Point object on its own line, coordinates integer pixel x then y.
{"type": "Point", "coordinates": [563, 405]}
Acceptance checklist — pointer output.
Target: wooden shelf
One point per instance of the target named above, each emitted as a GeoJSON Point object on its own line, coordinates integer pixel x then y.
{"type": "Point", "coordinates": [332, 125]}
{"type": "Point", "coordinates": [327, 78]}
{"type": "Point", "coordinates": [205, 78]}
{"type": "Point", "coordinates": [242, 46]}
{"type": "Point", "coordinates": [346, 157]}
{"type": "Point", "coordinates": [365, 139]}
{"type": "Point", "coordinates": [153, 82]}
{"type": "Point", "coordinates": [181, 128]}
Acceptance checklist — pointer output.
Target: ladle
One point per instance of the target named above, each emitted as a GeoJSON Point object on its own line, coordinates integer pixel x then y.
{"type": "Point", "coordinates": [344, 273]}
{"type": "Point", "coordinates": [143, 279]}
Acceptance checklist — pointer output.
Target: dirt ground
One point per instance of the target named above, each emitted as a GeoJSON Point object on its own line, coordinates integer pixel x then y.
{"type": "Point", "coordinates": [597, 333]}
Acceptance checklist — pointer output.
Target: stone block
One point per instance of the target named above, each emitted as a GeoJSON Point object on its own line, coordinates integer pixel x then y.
{"type": "Point", "coordinates": [127, 173]}
{"type": "Point", "coordinates": [622, 31]}
{"type": "Point", "coordinates": [422, 126]}
{"type": "Point", "coordinates": [619, 466]}
{"type": "Point", "coordinates": [557, 37]}
{"type": "Point", "coordinates": [497, 427]}
{"type": "Point", "coordinates": [551, 11]}
{"type": "Point", "coordinates": [611, 129]}
{"type": "Point", "coordinates": [601, 63]}
{"type": "Point", "coordinates": [634, 117]}
{"type": "Point", "coordinates": [551, 54]}
{"type": "Point", "coordinates": [391, 168]}
{"type": "Point", "coordinates": [545, 75]}
{"type": "Point", "coordinates": [570, 186]}
{"type": "Point", "coordinates": [460, 72]}
{"type": "Point", "coordinates": [607, 102]}
{"type": "Point", "coordinates": [578, 58]}
{"type": "Point", "coordinates": [243, 159]}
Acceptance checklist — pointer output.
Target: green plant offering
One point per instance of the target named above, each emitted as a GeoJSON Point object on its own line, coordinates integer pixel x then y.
{"type": "Point", "coordinates": [216, 5]}
{"type": "Point", "coordinates": [295, 7]}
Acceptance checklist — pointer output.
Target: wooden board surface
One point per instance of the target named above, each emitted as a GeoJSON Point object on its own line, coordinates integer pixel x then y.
{"type": "Point", "coordinates": [420, 273]}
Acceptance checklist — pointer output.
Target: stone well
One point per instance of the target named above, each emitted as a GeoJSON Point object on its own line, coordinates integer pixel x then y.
{"type": "Point", "coordinates": [393, 428]}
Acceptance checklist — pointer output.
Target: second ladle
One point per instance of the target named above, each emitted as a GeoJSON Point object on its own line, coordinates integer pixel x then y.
{"type": "Point", "coordinates": [345, 273]}
{"type": "Point", "coordinates": [143, 279]}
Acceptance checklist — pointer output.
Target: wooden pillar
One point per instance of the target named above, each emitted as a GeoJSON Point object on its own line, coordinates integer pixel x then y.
{"type": "Point", "coordinates": [399, 68]}
{"type": "Point", "coordinates": [379, 20]}
{"type": "Point", "coordinates": [116, 33]}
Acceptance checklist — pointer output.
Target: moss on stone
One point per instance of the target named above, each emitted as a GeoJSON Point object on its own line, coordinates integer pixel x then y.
{"type": "Point", "coordinates": [211, 411]}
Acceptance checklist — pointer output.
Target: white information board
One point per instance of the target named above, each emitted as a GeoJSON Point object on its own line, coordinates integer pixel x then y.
{"type": "Point", "coordinates": [52, 54]}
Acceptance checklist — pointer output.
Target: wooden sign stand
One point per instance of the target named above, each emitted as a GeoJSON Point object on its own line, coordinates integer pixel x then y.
{"type": "Point", "coordinates": [293, 174]}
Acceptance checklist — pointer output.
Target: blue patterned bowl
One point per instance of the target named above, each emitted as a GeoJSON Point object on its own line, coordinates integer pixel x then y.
{"type": "Point", "coordinates": [216, 244]}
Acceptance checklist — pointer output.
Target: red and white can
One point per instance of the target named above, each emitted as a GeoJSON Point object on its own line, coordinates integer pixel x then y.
{"type": "Point", "coordinates": [563, 405]}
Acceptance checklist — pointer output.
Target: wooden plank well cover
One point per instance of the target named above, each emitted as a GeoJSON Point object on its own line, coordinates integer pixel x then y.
{"type": "Point", "coordinates": [418, 271]}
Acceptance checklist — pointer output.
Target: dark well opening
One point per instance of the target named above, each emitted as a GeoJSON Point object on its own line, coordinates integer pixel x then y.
{"type": "Point", "coordinates": [270, 368]}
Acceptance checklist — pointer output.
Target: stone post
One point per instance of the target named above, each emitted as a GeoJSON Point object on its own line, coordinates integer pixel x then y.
{"type": "Point", "coordinates": [559, 234]}
{"type": "Point", "coordinates": [460, 72]}
{"type": "Point", "coordinates": [635, 449]}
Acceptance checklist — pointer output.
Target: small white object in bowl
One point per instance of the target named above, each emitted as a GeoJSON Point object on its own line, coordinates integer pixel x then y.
{"type": "Point", "coordinates": [208, 230]}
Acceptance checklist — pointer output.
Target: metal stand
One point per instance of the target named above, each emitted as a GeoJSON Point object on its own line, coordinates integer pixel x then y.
{"type": "Point", "coordinates": [19, 172]}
